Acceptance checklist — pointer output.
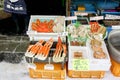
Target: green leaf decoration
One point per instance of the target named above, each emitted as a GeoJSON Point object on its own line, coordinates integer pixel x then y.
{"type": "Point", "coordinates": [77, 24]}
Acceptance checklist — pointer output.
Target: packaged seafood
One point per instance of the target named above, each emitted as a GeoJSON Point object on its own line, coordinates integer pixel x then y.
{"type": "Point", "coordinates": [77, 34]}
{"type": "Point", "coordinates": [97, 31]}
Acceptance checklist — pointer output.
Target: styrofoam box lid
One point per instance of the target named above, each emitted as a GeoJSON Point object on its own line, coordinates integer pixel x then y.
{"type": "Point", "coordinates": [34, 35]}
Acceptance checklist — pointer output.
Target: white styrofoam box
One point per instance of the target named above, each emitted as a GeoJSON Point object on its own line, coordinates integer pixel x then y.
{"type": "Point", "coordinates": [99, 64]}
{"type": "Point", "coordinates": [94, 64]}
{"type": "Point", "coordinates": [34, 35]}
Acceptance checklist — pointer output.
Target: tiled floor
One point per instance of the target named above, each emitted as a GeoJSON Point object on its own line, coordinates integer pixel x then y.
{"type": "Point", "coordinates": [19, 71]}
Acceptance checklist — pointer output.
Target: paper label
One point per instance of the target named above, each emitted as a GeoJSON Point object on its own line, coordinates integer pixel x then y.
{"type": "Point", "coordinates": [71, 18]}
{"type": "Point", "coordinates": [64, 33]}
{"type": "Point", "coordinates": [31, 65]}
{"type": "Point", "coordinates": [112, 16]}
{"type": "Point", "coordinates": [96, 18]}
{"type": "Point", "coordinates": [80, 64]}
{"type": "Point", "coordinates": [80, 14]}
{"type": "Point", "coordinates": [49, 67]}
{"type": "Point", "coordinates": [116, 27]}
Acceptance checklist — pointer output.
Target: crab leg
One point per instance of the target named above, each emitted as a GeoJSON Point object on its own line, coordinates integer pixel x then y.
{"type": "Point", "coordinates": [39, 51]}
{"type": "Point", "coordinates": [32, 50]}
{"type": "Point", "coordinates": [45, 50]}
{"type": "Point", "coordinates": [64, 52]}
{"type": "Point", "coordinates": [58, 50]}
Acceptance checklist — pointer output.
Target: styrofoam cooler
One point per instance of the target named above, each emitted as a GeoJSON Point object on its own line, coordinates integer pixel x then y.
{"type": "Point", "coordinates": [95, 67]}
{"type": "Point", "coordinates": [35, 36]}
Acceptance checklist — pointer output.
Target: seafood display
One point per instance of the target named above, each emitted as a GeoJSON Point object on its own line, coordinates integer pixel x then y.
{"type": "Point", "coordinates": [33, 49]}
{"type": "Point", "coordinates": [97, 49]}
{"type": "Point", "coordinates": [45, 26]}
{"type": "Point", "coordinates": [77, 30]}
{"type": "Point", "coordinates": [97, 31]}
{"type": "Point", "coordinates": [77, 34]}
{"type": "Point", "coordinates": [60, 52]}
{"type": "Point", "coordinates": [84, 43]}
{"type": "Point", "coordinates": [41, 50]}
{"type": "Point", "coordinates": [55, 25]}
{"type": "Point", "coordinates": [58, 24]}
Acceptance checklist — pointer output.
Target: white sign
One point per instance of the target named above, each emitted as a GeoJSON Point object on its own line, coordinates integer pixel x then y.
{"type": "Point", "coordinates": [116, 27]}
{"type": "Point", "coordinates": [49, 67]}
{"type": "Point", "coordinates": [112, 16]}
{"type": "Point", "coordinates": [96, 18]}
{"type": "Point", "coordinates": [80, 14]}
{"type": "Point", "coordinates": [71, 18]}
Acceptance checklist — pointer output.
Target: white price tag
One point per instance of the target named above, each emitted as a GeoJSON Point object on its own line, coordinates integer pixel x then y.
{"type": "Point", "coordinates": [112, 16]}
{"type": "Point", "coordinates": [96, 18]}
{"type": "Point", "coordinates": [31, 65]}
{"type": "Point", "coordinates": [71, 18]}
{"type": "Point", "coordinates": [59, 34]}
{"type": "Point", "coordinates": [80, 14]}
{"type": "Point", "coordinates": [49, 67]}
{"type": "Point", "coordinates": [116, 27]}
{"type": "Point", "coordinates": [64, 33]}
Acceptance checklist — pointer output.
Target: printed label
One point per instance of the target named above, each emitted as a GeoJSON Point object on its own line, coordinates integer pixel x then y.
{"type": "Point", "coordinates": [49, 67]}
{"type": "Point", "coordinates": [80, 64]}
{"type": "Point", "coordinates": [112, 16]}
{"type": "Point", "coordinates": [116, 27]}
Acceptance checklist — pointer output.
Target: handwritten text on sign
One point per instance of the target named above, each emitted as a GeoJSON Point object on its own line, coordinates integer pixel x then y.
{"type": "Point", "coordinates": [80, 64]}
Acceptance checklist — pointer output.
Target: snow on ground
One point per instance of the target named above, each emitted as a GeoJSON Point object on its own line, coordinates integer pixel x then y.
{"type": "Point", "coordinates": [9, 71]}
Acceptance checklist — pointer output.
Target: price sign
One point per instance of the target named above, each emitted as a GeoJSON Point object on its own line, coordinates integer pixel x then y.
{"type": "Point", "coordinates": [31, 65]}
{"type": "Point", "coordinates": [112, 16]}
{"type": "Point", "coordinates": [71, 18]}
{"type": "Point", "coordinates": [116, 27]}
{"type": "Point", "coordinates": [80, 14]}
{"type": "Point", "coordinates": [80, 64]}
{"type": "Point", "coordinates": [96, 18]}
{"type": "Point", "coordinates": [64, 33]}
{"type": "Point", "coordinates": [49, 67]}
